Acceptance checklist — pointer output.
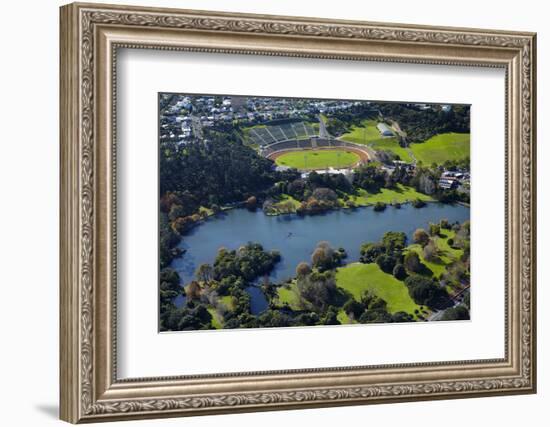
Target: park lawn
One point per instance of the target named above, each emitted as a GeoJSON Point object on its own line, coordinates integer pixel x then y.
{"type": "Point", "coordinates": [400, 194]}
{"type": "Point", "coordinates": [318, 159]}
{"type": "Point", "coordinates": [357, 278]}
{"type": "Point", "coordinates": [363, 134]}
{"type": "Point", "coordinates": [216, 322]}
{"type": "Point", "coordinates": [447, 254]}
{"type": "Point", "coordinates": [228, 302]}
{"type": "Point", "coordinates": [436, 267]}
{"type": "Point", "coordinates": [442, 147]}
{"type": "Point", "coordinates": [289, 294]}
{"type": "Point", "coordinates": [443, 246]}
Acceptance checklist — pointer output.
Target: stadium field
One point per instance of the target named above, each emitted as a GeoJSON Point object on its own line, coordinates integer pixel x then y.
{"type": "Point", "coordinates": [318, 159]}
{"type": "Point", "coordinates": [445, 146]}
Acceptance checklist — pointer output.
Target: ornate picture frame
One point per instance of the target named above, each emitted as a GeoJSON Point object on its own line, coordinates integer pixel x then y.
{"type": "Point", "coordinates": [90, 37]}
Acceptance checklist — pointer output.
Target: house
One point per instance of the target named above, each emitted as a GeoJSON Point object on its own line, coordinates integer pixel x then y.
{"type": "Point", "coordinates": [448, 183]}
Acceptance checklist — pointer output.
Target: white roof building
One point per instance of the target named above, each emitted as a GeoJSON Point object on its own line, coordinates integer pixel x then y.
{"type": "Point", "coordinates": [384, 129]}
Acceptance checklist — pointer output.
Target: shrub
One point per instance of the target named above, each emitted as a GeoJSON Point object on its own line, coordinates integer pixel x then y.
{"type": "Point", "coordinates": [399, 272]}
{"type": "Point", "coordinates": [386, 263]}
{"type": "Point", "coordinates": [419, 203]}
{"type": "Point", "coordinates": [379, 206]}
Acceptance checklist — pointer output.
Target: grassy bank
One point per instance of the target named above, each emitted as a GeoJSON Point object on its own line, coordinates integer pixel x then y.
{"type": "Point", "coordinates": [442, 147]}
{"type": "Point", "coordinates": [357, 278]}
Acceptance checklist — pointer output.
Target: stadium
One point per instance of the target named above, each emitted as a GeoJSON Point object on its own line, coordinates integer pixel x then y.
{"type": "Point", "coordinates": [306, 146]}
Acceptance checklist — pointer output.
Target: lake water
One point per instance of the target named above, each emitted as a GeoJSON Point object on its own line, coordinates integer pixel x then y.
{"type": "Point", "coordinates": [295, 237]}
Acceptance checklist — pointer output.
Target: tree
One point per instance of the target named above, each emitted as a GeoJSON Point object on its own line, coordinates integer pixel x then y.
{"type": "Point", "coordinates": [303, 269]}
{"type": "Point", "coordinates": [394, 242]}
{"type": "Point", "coordinates": [399, 272]}
{"type": "Point", "coordinates": [379, 206]}
{"type": "Point", "coordinates": [318, 257]}
{"type": "Point", "coordinates": [251, 203]}
{"type": "Point", "coordinates": [426, 184]}
{"type": "Point", "coordinates": [353, 308]}
{"type": "Point", "coordinates": [444, 224]}
{"type": "Point", "coordinates": [377, 315]}
{"type": "Point", "coordinates": [317, 290]}
{"type": "Point", "coordinates": [325, 194]}
{"type": "Point", "coordinates": [418, 203]}
{"type": "Point", "coordinates": [205, 273]}
{"type": "Point", "coordinates": [371, 251]}
{"type": "Point", "coordinates": [193, 290]}
{"type": "Point", "coordinates": [459, 312]}
{"type": "Point", "coordinates": [330, 317]}
{"type": "Point", "coordinates": [324, 257]}
{"type": "Point", "coordinates": [386, 263]}
{"type": "Point", "coordinates": [412, 262]}
{"type": "Point", "coordinates": [421, 237]}
{"type": "Point", "coordinates": [434, 229]}
{"type": "Point", "coordinates": [425, 292]}
{"type": "Point", "coordinates": [430, 251]}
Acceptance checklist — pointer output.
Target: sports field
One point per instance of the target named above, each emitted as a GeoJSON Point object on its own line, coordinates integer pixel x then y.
{"type": "Point", "coordinates": [445, 146]}
{"type": "Point", "coordinates": [318, 159]}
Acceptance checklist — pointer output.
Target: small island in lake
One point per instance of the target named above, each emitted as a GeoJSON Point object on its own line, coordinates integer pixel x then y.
{"type": "Point", "coordinates": [278, 212]}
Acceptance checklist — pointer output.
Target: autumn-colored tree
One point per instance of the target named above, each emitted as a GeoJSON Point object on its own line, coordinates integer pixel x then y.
{"type": "Point", "coordinates": [421, 237]}
{"type": "Point", "coordinates": [193, 290]}
{"type": "Point", "coordinates": [412, 262]}
{"type": "Point", "coordinates": [318, 257]}
{"type": "Point", "coordinates": [430, 251]}
{"type": "Point", "coordinates": [303, 269]}
{"type": "Point", "coordinates": [251, 203]}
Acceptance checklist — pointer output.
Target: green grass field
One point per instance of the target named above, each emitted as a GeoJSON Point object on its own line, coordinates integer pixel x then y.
{"type": "Point", "coordinates": [228, 302]}
{"type": "Point", "coordinates": [216, 322]}
{"type": "Point", "coordinates": [357, 278]}
{"type": "Point", "coordinates": [445, 146]}
{"type": "Point", "coordinates": [318, 159]}
{"type": "Point", "coordinates": [368, 134]}
{"type": "Point", "coordinates": [401, 194]}
{"type": "Point", "coordinates": [289, 295]}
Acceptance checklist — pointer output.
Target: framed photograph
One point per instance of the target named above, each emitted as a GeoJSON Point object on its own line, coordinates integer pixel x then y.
{"type": "Point", "coordinates": [266, 212]}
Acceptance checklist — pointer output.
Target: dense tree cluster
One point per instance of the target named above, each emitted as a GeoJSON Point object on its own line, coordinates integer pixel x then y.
{"type": "Point", "coordinates": [218, 170]}
{"type": "Point", "coordinates": [427, 291]}
{"type": "Point", "coordinates": [248, 262]}
{"type": "Point", "coordinates": [325, 257]}
{"type": "Point", "coordinates": [421, 124]}
{"type": "Point", "coordinates": [387, 253]}
{"type": "Point", "coordinates": [340, 122]}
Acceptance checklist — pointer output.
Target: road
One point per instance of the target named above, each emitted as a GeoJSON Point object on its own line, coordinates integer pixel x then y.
{"type": "Point", "coordinates": [197, 127]}
{"type": "Point", "coordinates": [457, 300]}
{"type": "Point", "coordinates": [323, 129]}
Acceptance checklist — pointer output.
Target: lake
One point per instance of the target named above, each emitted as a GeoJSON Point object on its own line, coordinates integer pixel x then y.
{"type": "Point", "coordinates": [295, 237]}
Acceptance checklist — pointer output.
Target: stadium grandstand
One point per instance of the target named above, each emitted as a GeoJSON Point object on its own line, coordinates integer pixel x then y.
{"type": "Point", "coordinates": [269, 134]}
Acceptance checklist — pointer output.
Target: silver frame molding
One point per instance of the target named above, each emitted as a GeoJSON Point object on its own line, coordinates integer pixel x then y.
{"type": "Point", "coordinates": [90, 37]}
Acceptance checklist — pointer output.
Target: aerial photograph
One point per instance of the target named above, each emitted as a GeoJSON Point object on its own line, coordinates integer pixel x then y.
{"type": "Point", "coordinates": [283, 212]}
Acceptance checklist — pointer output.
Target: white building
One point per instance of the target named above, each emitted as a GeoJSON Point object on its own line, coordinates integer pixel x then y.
{"type": "Point", "coordinates": [384, 129]}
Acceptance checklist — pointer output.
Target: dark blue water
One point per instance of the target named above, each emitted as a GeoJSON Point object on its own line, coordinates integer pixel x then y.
{"type": "Point", "coordinates": [295, 237]}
